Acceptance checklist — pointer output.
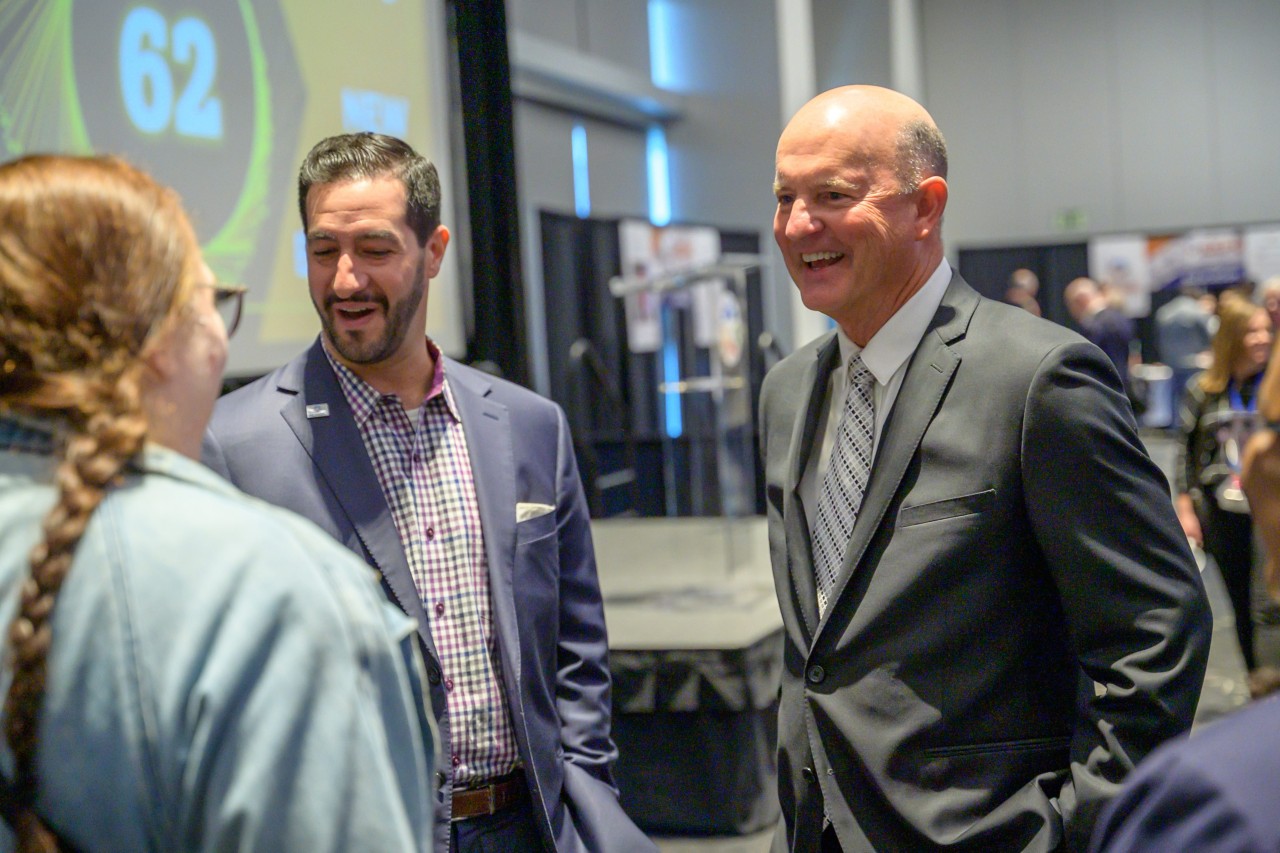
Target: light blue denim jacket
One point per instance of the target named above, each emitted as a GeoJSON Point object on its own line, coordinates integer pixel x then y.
{"type": "Point", "coordinates": [223, 676]}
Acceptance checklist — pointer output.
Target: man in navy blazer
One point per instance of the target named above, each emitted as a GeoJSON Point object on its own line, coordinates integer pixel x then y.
{"type": "Point", "coordinates": [461, 490]}
{"type": "Point", "coordinates": [1214, 792]}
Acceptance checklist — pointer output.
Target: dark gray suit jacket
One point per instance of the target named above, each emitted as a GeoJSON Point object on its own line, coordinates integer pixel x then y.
{"type": "Point", "coordinates": [1015, 546]}
{"type": "Point", "coordinates": [553, 647]}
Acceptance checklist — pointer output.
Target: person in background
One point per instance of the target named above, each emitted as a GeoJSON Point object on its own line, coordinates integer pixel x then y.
{"type": "Point", "coordinates": [1215, 792]}
{"type": "Point", "coordinates": [1260, 478]}
{"type": "Point", "coordinates": [1269, 297]}
{"type": "Point", "coordinates": [462, 490]}
{"type": "Point", "coordinates": [990, 613]}
{"type": "Point", "coordinates": [1216, 417]}
{"type": "Point", "coordinates": [1022, 290]}
{"type": "Point", "coordinates": [1183, 334]}
{"type": "Point", "coordinates": [188, 668]}
{"type": "Point", "coordinates": [1101, 322]}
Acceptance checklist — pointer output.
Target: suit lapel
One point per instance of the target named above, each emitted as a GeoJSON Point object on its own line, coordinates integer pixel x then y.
{"type": "Point", "coordinates": [486, 423]}
{"type": "Point", "coordinates": [923, 389]}
{"type": "Point", "coordinates": [337, 450]}
{"type": "Point", "coordinates": [487, 426]}
{"type": "Point", "coordinates": [816, 376]}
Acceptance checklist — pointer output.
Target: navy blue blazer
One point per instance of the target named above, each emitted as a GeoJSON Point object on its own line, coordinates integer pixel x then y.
{"type": "Point", "coordinates": [1212, 792]}
{"type": "Point", "coordinates": [553, 646]}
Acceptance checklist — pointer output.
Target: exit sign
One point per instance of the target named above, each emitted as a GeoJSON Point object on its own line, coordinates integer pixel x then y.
{"type": "Point", "coordinates": [1071, 219]}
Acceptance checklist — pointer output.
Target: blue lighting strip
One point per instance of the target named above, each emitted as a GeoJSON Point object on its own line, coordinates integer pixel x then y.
{"type": "Point", "coordinates": [671, 375]}
{"type": "Point", "coordinates": [581, 172]}
{"type": "Point", "coordinates": [659, 176]}
{"type": "Point", "coordinates": [661, 51]}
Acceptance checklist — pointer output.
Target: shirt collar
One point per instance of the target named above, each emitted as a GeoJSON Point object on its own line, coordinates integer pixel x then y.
{"type": "Point", "coordinates": [363, 398]}
{"type": "Point", "coordinates": [898, 338]}
{"type": "Point", "coordinates": [36, 436]}
{"type": "Point", "coordinates": [30, 434]}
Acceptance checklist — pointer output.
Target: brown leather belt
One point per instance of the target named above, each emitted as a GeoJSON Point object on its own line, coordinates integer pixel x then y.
{"type": "Point", "coordinates": [488, 799]}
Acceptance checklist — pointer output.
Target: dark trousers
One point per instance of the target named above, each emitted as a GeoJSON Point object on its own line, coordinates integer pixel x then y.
{"type": "Point", "coordinates": [1228, 536]}
{"type": "Point", "coordinates": [511, 830]}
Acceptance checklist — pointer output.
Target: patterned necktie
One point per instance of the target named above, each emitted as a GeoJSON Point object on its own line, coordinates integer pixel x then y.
{"type": "Point", "coordinates": [845, 481]}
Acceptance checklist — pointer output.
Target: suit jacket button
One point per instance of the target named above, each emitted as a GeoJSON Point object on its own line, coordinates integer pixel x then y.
{"type": "Point", "coordinates": [816, 674]}
{"type": "Point", "coordinates": [809, 775]}
{"type": "Point", "coordinates": [433, 674]}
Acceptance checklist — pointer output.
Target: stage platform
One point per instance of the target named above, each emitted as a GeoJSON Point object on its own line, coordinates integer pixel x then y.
{"type": "Point", "coordinates": [695, 640]}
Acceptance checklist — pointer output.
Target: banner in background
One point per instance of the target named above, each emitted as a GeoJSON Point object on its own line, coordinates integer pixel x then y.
{"type": "Point", "coordinates": [1136, 265]}
{"type": "Point", "coordinates": [650, 253]}
{"type": "Point", "coordinates": [1123, 263]}
{"type": "Point", "coordinates": [1262, 252]}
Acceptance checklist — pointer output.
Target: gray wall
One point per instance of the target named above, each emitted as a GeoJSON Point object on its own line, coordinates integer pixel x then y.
{"type": "Point", "coordinates": [722, 151]}
{"type": "Point", "coordinates": [1141, 115]}
{"type": "Point", "coordinates": [851, 43]}
{"type": "Point", "coordinates": [1138, 115]}
{"type": "Point", "coordinates": [614, 29]}
{"type": "Point", "coordinates": [721, 147]}
{"type": "Point", "coordinates": [618, 31]}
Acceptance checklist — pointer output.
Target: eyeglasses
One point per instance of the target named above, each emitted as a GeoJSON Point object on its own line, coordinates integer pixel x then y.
{"type": "Point", "coordinates": [229, 300]}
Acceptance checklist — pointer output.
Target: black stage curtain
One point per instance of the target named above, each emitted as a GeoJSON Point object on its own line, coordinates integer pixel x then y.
{"type": "Point", "coordinates": [579, 256]}
{"type": "Point", "coordinates": [478, 29]}
{"type": "Point", "coordinates": [702, 723]}
{"type": "Point", "coordinates": [988, 271]}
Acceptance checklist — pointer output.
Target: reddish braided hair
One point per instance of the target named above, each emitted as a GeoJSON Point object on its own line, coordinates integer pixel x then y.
{"type": "Point", "coordinates": [96, 258]}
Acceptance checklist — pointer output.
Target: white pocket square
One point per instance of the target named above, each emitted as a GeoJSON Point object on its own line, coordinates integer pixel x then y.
{"type": "Point", "coordinates": [524, 511]}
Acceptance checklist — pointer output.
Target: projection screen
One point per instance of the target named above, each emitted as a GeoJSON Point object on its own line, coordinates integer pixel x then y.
{"type": "Point", "coordinates": [221, 99]}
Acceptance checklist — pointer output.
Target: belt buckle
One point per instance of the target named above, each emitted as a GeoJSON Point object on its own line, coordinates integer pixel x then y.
{"type": "Point", "coordinates": [482, 801]}
{"type": "Point", "coordinates": [491, 790]}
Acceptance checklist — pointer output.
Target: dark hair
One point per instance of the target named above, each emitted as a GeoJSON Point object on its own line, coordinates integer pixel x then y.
{"type": "Point", "coordinates": [921, 152]}
{"type": "Point", "coordinates": [355, 156]}
{"type": "Point", "coordinates": [96, 259]}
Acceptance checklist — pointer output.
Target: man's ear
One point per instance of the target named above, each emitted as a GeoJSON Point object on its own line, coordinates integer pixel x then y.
{"type": "Point", "coordinates": [931, 201]}
{"type": "Point", "coordinates": [436, 244]}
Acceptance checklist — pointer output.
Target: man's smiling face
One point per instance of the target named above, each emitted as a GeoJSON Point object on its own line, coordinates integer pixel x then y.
{"type": "Point", "coordinates": [842, 221]}
{"type": "Point", "coordinates": [368, 276]}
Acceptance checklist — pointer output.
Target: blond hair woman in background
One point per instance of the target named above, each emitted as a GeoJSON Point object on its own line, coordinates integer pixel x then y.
{"type": "Point", "coordinates": [1218, 411]}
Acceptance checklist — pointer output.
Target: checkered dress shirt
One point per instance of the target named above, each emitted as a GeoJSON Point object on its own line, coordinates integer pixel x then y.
{"type": "Point", "coordinates": [422, 463]}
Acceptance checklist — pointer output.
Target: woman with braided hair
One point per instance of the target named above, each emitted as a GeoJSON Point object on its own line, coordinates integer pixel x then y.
{"type": "Point", "coordinates": [185, 668]}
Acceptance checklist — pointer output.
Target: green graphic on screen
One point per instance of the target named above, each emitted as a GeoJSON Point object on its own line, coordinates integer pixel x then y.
{"type": "Point", "coordinates": [221, 100]}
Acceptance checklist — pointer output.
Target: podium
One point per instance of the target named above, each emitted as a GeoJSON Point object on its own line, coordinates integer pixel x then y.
{"type": "Point", "coordinates": [719, 369]}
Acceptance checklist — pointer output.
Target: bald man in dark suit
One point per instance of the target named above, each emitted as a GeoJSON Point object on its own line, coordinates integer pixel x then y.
{"type": "Point", "coordinates": [991, 611]}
